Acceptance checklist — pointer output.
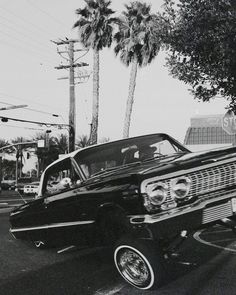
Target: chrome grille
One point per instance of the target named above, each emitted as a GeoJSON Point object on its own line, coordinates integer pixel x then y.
{"type": "Point", "coordinates": [217, 212]}
{"type": "Point", "coordinates": [210, 179]}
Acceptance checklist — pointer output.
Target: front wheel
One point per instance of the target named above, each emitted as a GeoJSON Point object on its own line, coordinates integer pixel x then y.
{"type": "Point", "coordinates": [140, 263]}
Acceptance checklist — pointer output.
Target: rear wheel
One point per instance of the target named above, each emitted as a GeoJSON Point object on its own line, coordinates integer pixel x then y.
{"type": "Point", "coordinates": [140, 263]}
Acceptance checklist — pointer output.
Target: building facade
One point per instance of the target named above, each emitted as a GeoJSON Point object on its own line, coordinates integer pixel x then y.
{"type": "Point", "coordinates": [206, 132]}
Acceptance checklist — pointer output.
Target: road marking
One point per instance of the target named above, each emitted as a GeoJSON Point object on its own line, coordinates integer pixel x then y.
{"type": "Point", "coordinates": [3, 204]}
{"type": "Point", "coordinates": [217, 231]}
{"type": "Point", "coordinates": [5, 210]}
{"type": "Point", "coordinates": [12, 205]}
{"type": "Point", "coordinates": [110, 291]}
{"type": "Point", "coordinates": [225, 240]}
{"type": "Point", "coordinates": [196, 236]}
{"type": "Point", "coordinates": [66, 249]}
{"type": "Point", "coordinates": [13, 200]}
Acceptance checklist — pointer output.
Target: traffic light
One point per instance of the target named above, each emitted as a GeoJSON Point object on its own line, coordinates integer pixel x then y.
{"type": "Point", "coordinates": [4, 119]}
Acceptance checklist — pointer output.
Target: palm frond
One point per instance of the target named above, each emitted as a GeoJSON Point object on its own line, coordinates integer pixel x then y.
{"type": "Point", "coordinates": [96, 24]}
{"type": "Point", "coordinates": [135, 34]}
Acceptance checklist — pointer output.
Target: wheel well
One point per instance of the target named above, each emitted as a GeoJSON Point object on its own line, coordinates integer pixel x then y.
{"type": "Point", "coordinates": [109, 208]}
{"type": "Point", "coordinates": [112, 223]}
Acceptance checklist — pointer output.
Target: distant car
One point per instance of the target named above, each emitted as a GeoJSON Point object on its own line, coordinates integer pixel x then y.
{"type": "Point", "coordinates": [21, 183]}
{"type": "Point", "coordinates": [141, 195]}
{"type": "Point", "coordinates": [7, 184]}
{"type": "Point", "coordinates": [31, 188]}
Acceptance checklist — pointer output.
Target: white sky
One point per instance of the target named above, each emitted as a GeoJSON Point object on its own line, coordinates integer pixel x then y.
{"type": "Point", "coordinates": [27, 75]}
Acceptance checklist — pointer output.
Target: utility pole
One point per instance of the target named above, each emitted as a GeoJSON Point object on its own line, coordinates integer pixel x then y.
{"type": "Point", "coordinates": [72, 105]}
{"type": "Point", "coordinates": [70, 50]}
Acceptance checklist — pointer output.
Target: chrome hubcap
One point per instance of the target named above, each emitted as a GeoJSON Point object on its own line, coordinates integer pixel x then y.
{"type": "Point", "coordinates": [133, 267]}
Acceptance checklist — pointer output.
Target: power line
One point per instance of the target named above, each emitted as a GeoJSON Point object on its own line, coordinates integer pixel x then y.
{"type": "Point", "coordinates": [25, 21]}
{"type": "Point", "coordinates": [35, 53]}
{"type": "Point", "coordinates": [23, 27]}
{"type": "Point", "coordinates": [48, 14]}
{"type": "Point", "coordinates": [39, 59]}
{"type": "Point", "coordinates": [26, 100]}
{"type": "Point", "coordinates": [39, 44]}
{"type": "Point", "coordinates": [33, 48]}
{"type": "Point", "coordinates": [34, 110]}
{"type": "Point", "coordinates": [28, 128]}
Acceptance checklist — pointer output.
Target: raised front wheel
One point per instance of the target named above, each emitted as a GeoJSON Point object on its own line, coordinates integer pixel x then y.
{"type": "Point", "coordinates": [140, 264]}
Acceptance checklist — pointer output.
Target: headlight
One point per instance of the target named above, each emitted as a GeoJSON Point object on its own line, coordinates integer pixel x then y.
{"type": "Point", "coordinates": [157, 193]}
{"type": "Point", "coordinates": [180, 187]}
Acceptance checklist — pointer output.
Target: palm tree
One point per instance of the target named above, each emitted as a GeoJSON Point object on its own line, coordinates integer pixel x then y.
{"type": "Point", "coordinates": [55, 145]}
{"type": "Point", "coordinates": [4, 143]}
{"type": "Point", "coordinates": [82, 141]}
{"type": "Point", "coordinates": [61, 142]}
{"type": "Point", "coordinates": [136, 44]}
{"type": "Point", "coordinates": [95, 26]}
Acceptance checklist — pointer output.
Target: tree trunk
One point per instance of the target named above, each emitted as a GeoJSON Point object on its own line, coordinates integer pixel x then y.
{"type": "Point", "coordinates": [130, 100]}
{"type": "Point", "coordinates": [95, 107]}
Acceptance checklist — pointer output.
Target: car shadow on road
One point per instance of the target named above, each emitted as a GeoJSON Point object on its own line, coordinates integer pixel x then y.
{"type": "Point", "coordinates": [82, 272]}
{"type": "Point", "coordinates": [198, 269]}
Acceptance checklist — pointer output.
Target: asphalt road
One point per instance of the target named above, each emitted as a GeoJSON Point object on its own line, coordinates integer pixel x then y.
{"type": "Point", "coordinates": [12, 198]}
{"type": "Point", "coordinates": [205, 265]}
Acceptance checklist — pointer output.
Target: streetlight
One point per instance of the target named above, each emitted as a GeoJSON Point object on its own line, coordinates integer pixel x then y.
{"type": "Point", "coordinates": [14, 107]}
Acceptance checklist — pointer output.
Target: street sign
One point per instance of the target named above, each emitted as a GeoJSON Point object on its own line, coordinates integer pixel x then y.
{"type": "Point", "coordinates": [229, 123]}
{"type": "Point", "coordinates": [41, 143]}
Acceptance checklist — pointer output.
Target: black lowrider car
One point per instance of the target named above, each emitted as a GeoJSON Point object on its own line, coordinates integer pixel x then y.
{"type": "Point", "coordinates": [141, 195]}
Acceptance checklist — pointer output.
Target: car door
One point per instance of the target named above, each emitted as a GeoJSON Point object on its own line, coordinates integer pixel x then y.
{"type": "Point", "coordinates": [67, 214]}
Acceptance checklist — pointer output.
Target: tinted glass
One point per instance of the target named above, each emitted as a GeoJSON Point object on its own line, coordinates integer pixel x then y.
{"type": "Point", "coordinates": [125, 152]}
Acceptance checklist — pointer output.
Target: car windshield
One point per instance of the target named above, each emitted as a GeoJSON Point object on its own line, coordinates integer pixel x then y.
{"type": "Point", "coordinates": [124, 153]}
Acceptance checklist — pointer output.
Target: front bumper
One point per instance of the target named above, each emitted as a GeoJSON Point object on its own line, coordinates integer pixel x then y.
{"type": "Point", "coordinates": [207, 209]}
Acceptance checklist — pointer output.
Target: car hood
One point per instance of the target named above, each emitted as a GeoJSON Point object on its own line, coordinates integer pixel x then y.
{"type": "Point", "coordinates": [168, 164]}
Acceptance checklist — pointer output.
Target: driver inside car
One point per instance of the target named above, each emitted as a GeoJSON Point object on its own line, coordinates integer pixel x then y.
{"type": "Point", "coordinates": [147, 152]}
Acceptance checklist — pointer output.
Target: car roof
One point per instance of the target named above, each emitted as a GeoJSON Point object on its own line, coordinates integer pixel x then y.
{"type": "Point", "coordinates": [74, 153]}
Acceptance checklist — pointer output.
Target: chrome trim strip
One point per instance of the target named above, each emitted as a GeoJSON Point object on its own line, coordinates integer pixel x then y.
{"type": "Point", "coordinates": [201, 204]}
{"type": "Point", "coordinates": [182, 172]}
{"type": "Point", "coordinates": [59, 196]}
{"type": "Point", "coordinates": [53, 225]}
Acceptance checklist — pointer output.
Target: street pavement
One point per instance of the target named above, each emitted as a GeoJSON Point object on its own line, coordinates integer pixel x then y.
{"type": "Point", "coordinates": [13, 199]}
{"type": "Point", "coordinates": [205, 265]}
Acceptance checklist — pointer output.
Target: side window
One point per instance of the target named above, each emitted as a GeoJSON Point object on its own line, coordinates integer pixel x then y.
{"type": "Point", "coordinates": [60, 177]}
{"type": "Point", "coordinates": [164, 147]}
